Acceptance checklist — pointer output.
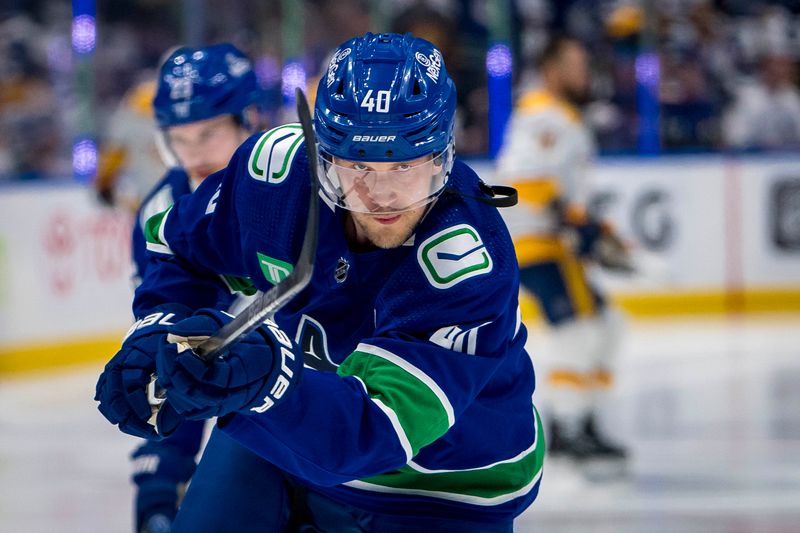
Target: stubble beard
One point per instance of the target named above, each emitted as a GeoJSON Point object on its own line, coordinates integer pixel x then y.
{"type": "Point", "coordinates": [390, 236]}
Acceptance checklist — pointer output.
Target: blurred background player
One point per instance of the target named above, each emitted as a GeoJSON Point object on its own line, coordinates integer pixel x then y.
{"type": "Point", "coordinates": [206, 104]}
{"type": "Point", "coordinates": [130, 163]}
{"type": "Point", "coordinates": [547, 149]}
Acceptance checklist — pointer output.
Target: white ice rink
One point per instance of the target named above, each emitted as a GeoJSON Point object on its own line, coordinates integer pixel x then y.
{"type": "Point", "coordinates": [711, 409]}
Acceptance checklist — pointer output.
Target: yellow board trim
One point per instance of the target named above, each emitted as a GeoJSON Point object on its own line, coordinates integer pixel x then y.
{"type": "Point", "coordinates": [691, 303]}
{"type": "Point", "coordinates": [98, 350]}
{"type": "Point", "coordinates": [40, 357]}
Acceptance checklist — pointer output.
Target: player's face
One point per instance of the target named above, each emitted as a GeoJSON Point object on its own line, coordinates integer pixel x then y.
{"type": "Point", "coordinates": [573, 67]}
{"type": "Point", "coordinates": [385, 230]}
{"type": "Point", "coordinates": [380, 194]}
{"type": "Point", "coordinates": [386, 187]}
{"type": "Point", "coordinates": [205, 146]}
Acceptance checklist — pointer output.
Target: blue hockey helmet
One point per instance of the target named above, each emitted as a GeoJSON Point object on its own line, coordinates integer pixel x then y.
{"type": "Point", "coordinates": [384, 98]}
{"type": "Point", "coordinates": [199, 83]}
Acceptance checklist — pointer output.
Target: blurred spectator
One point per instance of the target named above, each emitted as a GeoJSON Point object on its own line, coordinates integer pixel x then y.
{"type": "Point", "coordinates": [696, 66]}
{"type": "Point", "coordinates": [689, 109]}
{"type": "Point", "coordinates": [30, 142]}
{"type": "Point", "coordinates": [766, 110]}
{"type": "Point", "coordinates": [709, 55]}
{"type": "Point", "coordinates": [462, 40]}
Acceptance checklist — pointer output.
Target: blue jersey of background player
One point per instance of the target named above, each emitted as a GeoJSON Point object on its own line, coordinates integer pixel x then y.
{"type": "Point", "coordinates": [413, 411]}
{"type": "Point", "coordinates": [205, 106]}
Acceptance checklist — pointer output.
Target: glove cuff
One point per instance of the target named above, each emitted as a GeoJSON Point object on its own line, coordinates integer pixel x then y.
{"type": "Point", "coordinates": [157, 461]}
{"type": "Point", "coordinates": [158, 319]}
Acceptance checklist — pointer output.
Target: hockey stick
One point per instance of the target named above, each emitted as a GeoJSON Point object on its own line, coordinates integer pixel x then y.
{"type": "Point", "coordinates": [267, 304]}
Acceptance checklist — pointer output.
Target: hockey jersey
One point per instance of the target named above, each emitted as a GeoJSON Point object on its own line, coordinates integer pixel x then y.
{"type": "Point", "coordinates": [234, 292]}
{"type": "Point", "coordinates": [173, 185]}
{"type": "Point", "coordinates": [416, 397]}
{"type": "Point", "coordinates": [131, 145]}
{"type": "Point", "coordinates": [546, 151]}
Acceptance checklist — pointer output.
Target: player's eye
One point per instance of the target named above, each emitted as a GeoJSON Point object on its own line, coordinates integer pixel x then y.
{"type": "Point", "coordinates": [403, 167]}
{"type": "Point", "coordinates": [208, 134]}
{"type": "Point", "coordinates": [359, 166]}
{"type": "Point", "coordinates": [178, 142]}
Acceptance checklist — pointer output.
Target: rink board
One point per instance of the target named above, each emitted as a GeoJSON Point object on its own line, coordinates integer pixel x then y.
{"type": "Point", "coordinates": [715, 235]}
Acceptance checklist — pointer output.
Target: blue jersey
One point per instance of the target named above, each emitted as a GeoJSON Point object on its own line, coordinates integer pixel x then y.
{"type": "Point", "coordinates": [172, 186]}
{"type": "Point", "coordinates": [416, 397]}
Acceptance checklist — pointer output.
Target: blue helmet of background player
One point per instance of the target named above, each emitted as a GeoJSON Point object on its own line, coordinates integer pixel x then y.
{"type": "Point", "coordinates": [384, 98]}
{"type": "Point", "coordinates": [200, 83]}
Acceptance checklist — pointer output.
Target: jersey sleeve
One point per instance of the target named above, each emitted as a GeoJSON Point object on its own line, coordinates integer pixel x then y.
{"type": "Point", "coordinates": [183, 261]}
{"type": "Point", "coordinates": [191, 242]}
{"type": "Point", "coordinates": [432, 352]}
{"type": "Point", "coordinates": [255, 206]}
{"type": "Point", "coordinates": [172, 185]}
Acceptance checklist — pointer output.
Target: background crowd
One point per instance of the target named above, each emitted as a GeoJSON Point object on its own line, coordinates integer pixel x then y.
{"type": "Point", "coordinates": [726, 69]}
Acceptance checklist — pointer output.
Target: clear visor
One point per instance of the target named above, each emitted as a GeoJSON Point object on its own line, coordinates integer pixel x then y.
{"type": "Point", "coordinates": [384, 187]}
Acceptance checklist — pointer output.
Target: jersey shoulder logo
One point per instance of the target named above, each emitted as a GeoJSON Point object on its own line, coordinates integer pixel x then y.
{"type": "Point", "coordinates": [274, 270]}
{"type": "Point", "coordinates": [272, 155]}
{"type": "Point", "coordinates": [453, 255]}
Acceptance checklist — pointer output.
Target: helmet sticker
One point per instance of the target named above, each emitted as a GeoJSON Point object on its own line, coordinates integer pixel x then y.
{"type": "Point", "coordinates": [334, 64]}
{"type": "Point", "coordinates": [379, 103]}
{"type": "Point", "coordinates": [237, 66]}
{"type": "Point", "coordinates": [180, 88]}
{"type": "Point", "coordinates": [181, 109]}
{"type": "Point", "coordinates": [432, 64]}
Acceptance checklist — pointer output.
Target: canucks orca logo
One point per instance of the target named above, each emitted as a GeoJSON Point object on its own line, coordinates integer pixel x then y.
{"type": "Point", "coordinates": [453, 255]}
{"type": "Point", "coordinates": [313, 341]}
{"type": "Point", "coordinates": [271, 159]}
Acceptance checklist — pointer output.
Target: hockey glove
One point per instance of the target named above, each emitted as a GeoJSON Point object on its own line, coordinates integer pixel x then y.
{"type": "Point", "coordinates": [612, 253]}
{"type": "Point", "coordinates": [583, 238]}
{"type": "Point", "coordinates": [121, 389]}
{"type": "Point", "coordinates": [253, 375]}
{"type": "Point", "coordinates": [161, 473]}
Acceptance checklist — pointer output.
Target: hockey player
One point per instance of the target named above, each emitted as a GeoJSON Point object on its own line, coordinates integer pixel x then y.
{"type": "Point", "coordinates": [546, 151]}
{"type": "Point", "coordinates": [130, 163]}
{"type": "Point", "coordinates": [413, 411]}
{"type": "Point", "coordinates": [206, 105]}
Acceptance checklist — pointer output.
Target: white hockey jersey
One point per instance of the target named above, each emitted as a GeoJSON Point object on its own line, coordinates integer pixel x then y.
{"type": "Point", "coordinates": [546, 151]}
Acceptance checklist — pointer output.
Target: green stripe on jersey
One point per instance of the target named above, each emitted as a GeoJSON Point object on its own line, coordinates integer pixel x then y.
{"type": "Point", "coordinates": [240, 284]}
{"type": "Point", "coordinates": [154, 233]}
{"type": "Point", "coordinates": [491, 485]}
{"type": "Point", "coordinates": [419, 410]}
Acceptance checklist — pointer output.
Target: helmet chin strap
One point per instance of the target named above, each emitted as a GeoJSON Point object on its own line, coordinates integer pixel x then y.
{"type": "Point", "coordinates": [495, 195]}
